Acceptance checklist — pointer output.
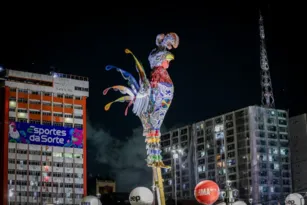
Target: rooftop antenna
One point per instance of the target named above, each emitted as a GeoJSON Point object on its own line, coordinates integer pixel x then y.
{"type": "Point", "coordinates": [266, 82]}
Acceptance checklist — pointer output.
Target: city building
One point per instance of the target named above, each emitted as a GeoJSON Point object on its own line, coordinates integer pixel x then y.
{"type": "Point", "coordinates": [43, 138]}
{"type": "Point", "coordinates": [248, 148]}
{"type": "Point", "coordinates": [105, 186]}
{"type": "Point", "coordinates": [298, 146]}
{"type": "Point", "coordinates": [177, 153]}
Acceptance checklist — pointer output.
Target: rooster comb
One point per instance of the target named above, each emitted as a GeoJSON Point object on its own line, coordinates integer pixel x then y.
{"type": "Point", "coordinates": [164, 43]}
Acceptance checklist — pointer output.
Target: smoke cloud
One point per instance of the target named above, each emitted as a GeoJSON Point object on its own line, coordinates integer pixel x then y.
{"type": "Point", "coordinates": [123, 160]}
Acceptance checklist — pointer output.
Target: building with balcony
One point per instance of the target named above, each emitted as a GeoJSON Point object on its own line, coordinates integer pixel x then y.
{"type": "Point", "coordinates": [43, 138]}
{"type": "Point", "coordinates": [248, 148]}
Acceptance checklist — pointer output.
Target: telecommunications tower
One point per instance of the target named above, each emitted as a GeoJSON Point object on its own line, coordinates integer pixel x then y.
{"type": "Point", "coordinates": [266, 83]}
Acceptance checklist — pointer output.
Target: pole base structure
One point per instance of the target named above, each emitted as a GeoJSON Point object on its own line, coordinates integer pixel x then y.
{"type": "Point", "coordinates": [159, 184]}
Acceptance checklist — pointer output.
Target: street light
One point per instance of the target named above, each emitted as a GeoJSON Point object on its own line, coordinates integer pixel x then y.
{"type": "Point", "coordinates": [11, 194]}
{"type": "Point", "coordinates": [98, 197]}
{"type": "Point", "coordinates": [176, 152]}
{"type": "Point", "coordinates": [229, 194]}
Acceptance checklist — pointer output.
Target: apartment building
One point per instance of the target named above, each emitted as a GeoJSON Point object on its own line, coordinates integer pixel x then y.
{"type": "Point", "coordinates": [248, 148]}
{"type": "Point", "coordinates": [43, 134]}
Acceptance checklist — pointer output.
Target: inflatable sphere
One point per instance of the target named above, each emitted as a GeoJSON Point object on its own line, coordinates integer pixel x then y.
{"type": "Point", "coordinates": [295, 199]}
{"type": "Point", "coordinates": [141, 196]}
{"type": "Point", "coordinates": [207, 192]}
{"type": "Point", "coordinates": [90, 200]}
{"type": "Point", "coordinates": [239, 203]}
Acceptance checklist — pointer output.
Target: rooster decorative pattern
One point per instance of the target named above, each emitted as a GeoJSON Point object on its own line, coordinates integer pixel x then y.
{"type": "Point", "coordinates": [151, 98]}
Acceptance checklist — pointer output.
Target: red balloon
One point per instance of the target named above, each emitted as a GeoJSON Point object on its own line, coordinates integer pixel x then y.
{"type": "Point", "coordinates": [207, 192]}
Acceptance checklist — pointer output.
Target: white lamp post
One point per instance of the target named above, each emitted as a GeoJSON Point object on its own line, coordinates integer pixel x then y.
{"type": "Point", "coordinates": [229, 194]}
{"type": "Point", "coordinates": [11, 194]}
{"type": "Point", "coordinates": [98, 197]}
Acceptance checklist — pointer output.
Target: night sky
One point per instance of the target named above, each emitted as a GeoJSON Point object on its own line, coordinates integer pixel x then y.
{"type": "Point", "coordinates": [216, 67]}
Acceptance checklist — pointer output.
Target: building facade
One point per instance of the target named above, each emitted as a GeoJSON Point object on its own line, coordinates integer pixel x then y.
{"type": "Point", "coordinates": [43, 133]}
{"type": "Point", "coordinates": [298, 145]}
{"type": "Point", "coordinates": [105, 186]}
{"type": "Point", "coordinates": [177, 153]}
{"type": "Point", "coordinates": [248, 148]}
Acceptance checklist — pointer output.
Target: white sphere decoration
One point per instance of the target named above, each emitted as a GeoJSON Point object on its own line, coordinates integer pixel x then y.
{"type": "Point", "coordinates": [93, 200]}
{"type": "Point", "coordinates": [222, 203]}
{"type": "Point", "coordinates": [295, 199]}
{"type": "Point", "coordinates": [141, 196]}
{"type": "Point", "coordinates": [239, 203]}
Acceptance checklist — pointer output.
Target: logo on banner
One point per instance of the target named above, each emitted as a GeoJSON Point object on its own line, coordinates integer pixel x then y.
{"type": "Point", "coordinates": [41, 135]}
{"type": "Point", "coordinates": [45, 135]}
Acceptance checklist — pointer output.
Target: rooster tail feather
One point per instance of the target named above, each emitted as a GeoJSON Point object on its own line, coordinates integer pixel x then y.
{"type": "Point", "coordinates": [130, 103]}
{"type": "Point", "coordinates": [120, 88]}
{"type": "Point", "coordinates": [121, 99]}
{"type": "Point", "coordinates": [139, 66]}
{"type": "Point", "coordinates": [127, 76]}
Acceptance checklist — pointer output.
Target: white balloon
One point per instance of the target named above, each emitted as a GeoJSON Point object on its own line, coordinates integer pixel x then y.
{"type": "Point", "coordinates": [141, 196]}
{"type": "Point", "coordinates": [92, 200]}
{"type": "Point", "coordinates": [295, 199]}
{"type": "Point", "coordinates": [239, 203]}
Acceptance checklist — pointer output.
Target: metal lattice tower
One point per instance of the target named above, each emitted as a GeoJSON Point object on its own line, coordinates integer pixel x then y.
{"type": "Point", "coordinates": [266, 83]}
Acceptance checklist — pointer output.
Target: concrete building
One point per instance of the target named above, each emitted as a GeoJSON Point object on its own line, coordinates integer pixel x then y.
{"type": "Point", "coordinates": [298, 146]}
{"type": "Point", "coordinates": [105, 186]}
{"type": "Point", "coordinates": [248, 148]}
{"type": "Point", "coordinates": [43, 138]}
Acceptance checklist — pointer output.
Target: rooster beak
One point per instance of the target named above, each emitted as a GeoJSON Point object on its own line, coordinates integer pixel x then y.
{"type": "Point", "coordinates": [169, 57]}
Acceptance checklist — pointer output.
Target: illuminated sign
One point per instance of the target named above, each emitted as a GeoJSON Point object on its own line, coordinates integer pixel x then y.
{"type": "Point", "coordinates": [45, 135]}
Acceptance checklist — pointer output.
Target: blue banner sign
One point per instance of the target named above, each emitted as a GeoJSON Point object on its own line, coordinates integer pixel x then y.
{"type": "Point", "coordinates": [26, 133]}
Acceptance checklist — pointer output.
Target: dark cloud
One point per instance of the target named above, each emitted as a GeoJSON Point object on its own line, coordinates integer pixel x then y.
{"type": "Point", "coordinates": [124, 160]}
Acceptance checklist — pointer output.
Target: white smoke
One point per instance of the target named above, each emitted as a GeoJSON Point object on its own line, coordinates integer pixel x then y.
{"type": "Point", "coordinates": [125, 159]}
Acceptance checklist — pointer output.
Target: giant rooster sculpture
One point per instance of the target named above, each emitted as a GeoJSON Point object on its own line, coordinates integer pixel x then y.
{"type": "Point", "coordinates": [152, 98]}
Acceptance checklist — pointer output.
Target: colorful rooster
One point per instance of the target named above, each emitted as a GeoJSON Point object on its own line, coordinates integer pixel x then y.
{"type": "Point", "coordinates": [150, 99]}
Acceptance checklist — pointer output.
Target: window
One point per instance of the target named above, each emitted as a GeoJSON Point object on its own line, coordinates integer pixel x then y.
{"type": "Point", "coordinates": [58, 114]}
{"type": "Point", "coordinates": [35, 112]}
{"type": "Point", "coordinates": [22, 90]}
{"type": "Point", "coordinates": [184, 131]}
{"type": "Point", "coordinates": [57, 124]}
{"type": "Point", "coordinates": [35, 92]}
{"type": "Point", "coordinates": [69, 96]}
{"type": "Point", "coordinates": [68, 125]}
{"type": "Point", "coordinates": [47, 113]}
{"type": "Point", "coordinates": [22, 100]}
{"type": "Point", "coordinates": [68, 106]}
{"type": "Point", "coordinates": [47, 94]}
{"type": "Point", "coordinates": [35, 122]}
{"type": "Point", "coordinates": [78, 117]}
{"type": "Point", "coordinates": [47, 103]}
{"type": "Point", "coordinates": [78, 126]}
{"type": "Point", "coordinates": [78, 107]}
{"type": "Point", "coordinates": [35, 102]}
{"type": "Point", "coordinates": [57, 105]}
